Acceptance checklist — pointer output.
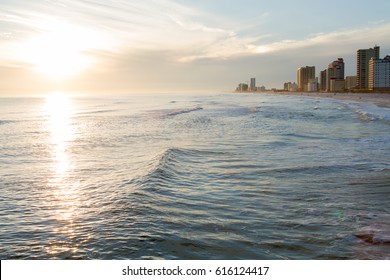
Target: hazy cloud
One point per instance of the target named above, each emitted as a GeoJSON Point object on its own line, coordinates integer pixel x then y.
{"type": "Point", "coordinates": [160, 44]}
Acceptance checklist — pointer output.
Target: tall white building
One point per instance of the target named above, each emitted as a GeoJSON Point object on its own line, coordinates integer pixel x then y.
{"type": "Point", "coordinates": [379, 74]}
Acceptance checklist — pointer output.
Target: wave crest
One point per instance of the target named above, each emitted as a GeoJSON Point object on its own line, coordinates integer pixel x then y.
{"type": "Point", "coordinates": [174, 112]}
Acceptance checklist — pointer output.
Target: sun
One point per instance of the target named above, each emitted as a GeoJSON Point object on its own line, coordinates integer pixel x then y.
{"type": "Point", "coordinates": [60, 50]}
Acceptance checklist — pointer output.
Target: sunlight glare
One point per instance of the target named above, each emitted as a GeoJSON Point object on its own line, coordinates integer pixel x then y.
{"type": "Point", "coordinates": [64, 191]}
{"type": "Point", "coordinates": [59, 111]}
{"type": "Point", "coordinates": [60, 50]}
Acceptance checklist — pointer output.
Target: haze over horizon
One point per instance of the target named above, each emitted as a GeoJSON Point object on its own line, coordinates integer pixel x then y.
{"type": "Point", "coordinates": [170, 46]}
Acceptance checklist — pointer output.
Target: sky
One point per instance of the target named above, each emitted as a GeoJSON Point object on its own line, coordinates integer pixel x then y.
{"type": "Point", "coordinates": [124, 46]}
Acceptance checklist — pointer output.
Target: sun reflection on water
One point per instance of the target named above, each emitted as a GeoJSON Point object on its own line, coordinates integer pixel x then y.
{"type": "Point", "coordinates": [59, 110]}
{"type": "Point", "coordinates": [63, 191]}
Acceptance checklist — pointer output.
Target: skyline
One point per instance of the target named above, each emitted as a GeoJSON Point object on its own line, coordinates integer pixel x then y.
{"type": "Point", "coordinates": [173, 46]}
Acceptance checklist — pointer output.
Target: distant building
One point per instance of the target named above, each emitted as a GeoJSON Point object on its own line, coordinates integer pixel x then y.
{"type": "Point", "coordinates": [253, 84]}
{"type": "Point", "coordinates": [337, 85]}
{"type": "Point", "coordinates": [350, 82]}
{"type": "Point", "coordinates": [338, 65]}
{"type": "Point", "coordinates": [379, 74]}
{"type": "Point", "coordinates": [363, 59]}
{"type": "Point", "coordinates": [312, 85]}
{"type": "Point", "coordinates": [323, 80]}
{"type": "Point", "coordinates": [304, 75]}
{"type": "Point", "coordinates": [293, 87]}
{"type": "Point", "coordinates": [329, 76]}
{"type": "Point", "coordinates": [335, 71]}
{"type": "Point", "coordinates": [289, 86]}
{"type": "Point", "coordinates": [262, 88]}
{"type": "Point", "coordinates": [242, 87]}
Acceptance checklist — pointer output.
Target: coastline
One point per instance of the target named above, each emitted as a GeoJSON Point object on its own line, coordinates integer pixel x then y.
{"type": "Point", "coordinates": [379, 99]}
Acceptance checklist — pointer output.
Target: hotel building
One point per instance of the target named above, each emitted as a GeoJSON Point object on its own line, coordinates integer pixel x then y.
{"type": "Point", "coordinates": [323, 80]}
{"type": "Point", "coordinates": [305, 74]}
{"type": "Point", "coordinates": [335, 76]}
{"type": "Point", "coordinates": [363, 59]}
{"type": "Point", "coordinates": [289, 86]}
{"type": "Point", "coordinates": [350, 82]}
{"type": "Point", "coordinates": [379, 74]}
{"type": "Point", "coordinates": [253, 84]}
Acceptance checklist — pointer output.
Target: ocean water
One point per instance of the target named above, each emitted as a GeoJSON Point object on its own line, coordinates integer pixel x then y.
{"type": "Point", "coordinates": [218, 176]}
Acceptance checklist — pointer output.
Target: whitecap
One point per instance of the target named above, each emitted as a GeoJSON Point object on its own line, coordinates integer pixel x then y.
{"type": "Point", "coordinates": [370, 111]}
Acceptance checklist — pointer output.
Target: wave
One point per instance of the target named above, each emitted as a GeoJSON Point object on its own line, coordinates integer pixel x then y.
{"type": "Point", "coordinates": [189, 167]}
{"type": "Point", "coordinates": [284, 114]}
{"type": "Point", "coordinates": [3, 122]}
{"type": "Point", "coordinates": [376, 232]}
{"type": "Point", "coordinates": [173, 166]}
{"type": "Point", "coordinates": [369, 111]}
{"type": "Point", "coordinates": [313, 170]}
{"type": "Point", "coordinates": [87, 113]}
{"type": "Point", "coordinates": [173, 112]}
{"type": "Point", "coordinates": [302, 136]}
{"type": "Point", "coordinates": [176, 167]}
{"type": "Point", "coordinates": [380, 141]}
{"type": "Point", "coordinates": [183, 111]}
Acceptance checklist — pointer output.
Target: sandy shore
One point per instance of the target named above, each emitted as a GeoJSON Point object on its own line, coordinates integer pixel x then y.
{"type": "Point", "coordinates": [379, 99]}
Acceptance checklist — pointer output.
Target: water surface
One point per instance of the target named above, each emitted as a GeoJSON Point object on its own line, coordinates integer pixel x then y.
{"type": "Point", "coordinates": [217, 176]}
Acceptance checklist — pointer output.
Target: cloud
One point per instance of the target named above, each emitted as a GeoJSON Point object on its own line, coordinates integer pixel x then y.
{"type": "Point", "coordinates": [131, 25]}
{"type": "Point", "coordinates": [333, 42]}
{"type": "Point", "coordinates": [172, 44]}
{"type": "Point", "coordinates": [124, 25]}
{"type": "Point", "coordinates": [345, 38]}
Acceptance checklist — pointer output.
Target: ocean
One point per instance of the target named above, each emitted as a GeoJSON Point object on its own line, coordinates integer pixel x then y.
{"type": "Point", "coordinates": [185, 176]}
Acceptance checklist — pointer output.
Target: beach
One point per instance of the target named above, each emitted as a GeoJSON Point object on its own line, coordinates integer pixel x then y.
{"type": "Point", "coordinates": [379, 99]}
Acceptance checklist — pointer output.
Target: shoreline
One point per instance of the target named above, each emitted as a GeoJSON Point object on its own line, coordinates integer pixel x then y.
{"type": "Point", "coordinates": [379, 99]}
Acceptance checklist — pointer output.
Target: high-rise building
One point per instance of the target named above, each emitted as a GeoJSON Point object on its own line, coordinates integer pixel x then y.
{"type": "Point", "coordinates": [363, 59]}
{"type": "Point", "coordinates": [304, 75]}
{"type": "Point", "coordinates": [338, 66]}
{"type": "Point", "coordinates": [323, 80]}
{"type": "Point", "coordinates": [253, 84]}
{"type": "Point", "coordinates": [312, 85]}
{"type": "Point", "coordinates": [379, 74]}
{"type": "Point", "coordinates": [335, 71]}
{"type": "Point", "coordinates": [350, 82]}
{"type": "Point", "coordinates": [337, 85]}
{"type": "Point", "coordinates": [329, 76]}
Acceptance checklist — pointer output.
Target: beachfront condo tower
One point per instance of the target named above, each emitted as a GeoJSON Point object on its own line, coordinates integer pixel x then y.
{"type": "Point", "coordinates": [335, 76]}
{"type": "Point", "coordinates": [363, 60]}
{"type": "Point", "coordinates": [305, 74]}
{"type": "Point", "coordinates": [379, 74]}
{"type": "Point", "coordinates": [253, 84]}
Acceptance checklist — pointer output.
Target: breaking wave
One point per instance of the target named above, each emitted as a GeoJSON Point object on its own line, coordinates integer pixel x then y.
{"type": "Point", "coordinates": [369, 111]}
